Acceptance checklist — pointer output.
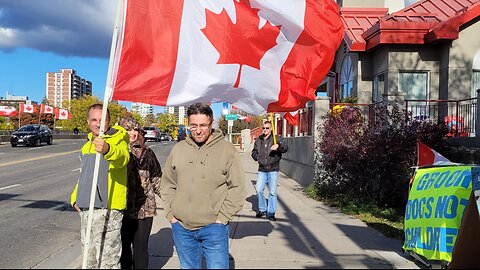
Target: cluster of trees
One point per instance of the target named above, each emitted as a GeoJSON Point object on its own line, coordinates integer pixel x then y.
{"type": "Point", "coordinates": [78, 110]}
{"type": "Point", "coordinates": [239, 125]}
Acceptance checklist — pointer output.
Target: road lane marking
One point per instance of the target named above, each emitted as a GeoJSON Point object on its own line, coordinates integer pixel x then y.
{"type": "Point", "coordinates": [76, 170]}
{"type": "Point", "coordinates": [10, 186]}
{"type": "Point", "coordinates": [38, 158]}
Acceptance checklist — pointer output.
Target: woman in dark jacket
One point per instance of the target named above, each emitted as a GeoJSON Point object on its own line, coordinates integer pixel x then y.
{"type": "Point", "coordinates": [144, 173]}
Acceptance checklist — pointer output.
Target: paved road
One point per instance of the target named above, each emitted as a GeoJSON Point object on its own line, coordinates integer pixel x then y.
{"type": "Point", "coordinates": [35, 184]}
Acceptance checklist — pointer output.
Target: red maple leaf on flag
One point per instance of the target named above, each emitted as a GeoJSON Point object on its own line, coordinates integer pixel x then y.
{"type": "Point", "coordinates": [28, 108]}
{"type": "Point", "coordinates": [48, 109]}
{"type": "Point", "coordinates": [63, 114]}
{"type": "Point", "coordinates": [242, 43]}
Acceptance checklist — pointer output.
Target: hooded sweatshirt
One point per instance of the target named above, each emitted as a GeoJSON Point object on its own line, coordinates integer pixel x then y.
{"type": "Point", "coordinates": [203, 184]}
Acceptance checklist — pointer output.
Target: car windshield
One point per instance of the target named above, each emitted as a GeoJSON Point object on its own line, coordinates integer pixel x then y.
{"type": "Point", "coordinates": [28, 128]}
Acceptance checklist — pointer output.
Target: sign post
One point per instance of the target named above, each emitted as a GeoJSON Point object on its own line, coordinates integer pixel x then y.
{"type": "Point", "coordinates": [230, 125]}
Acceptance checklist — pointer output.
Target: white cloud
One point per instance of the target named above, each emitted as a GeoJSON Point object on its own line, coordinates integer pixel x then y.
{"type": "Point", "coordinates": [66, 27]}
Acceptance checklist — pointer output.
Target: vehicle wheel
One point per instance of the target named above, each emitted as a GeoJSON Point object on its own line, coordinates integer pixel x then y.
{"type": "Point", "coordinates": [13, 145]}
{"type": "Point", "coordinates": [50, 141]}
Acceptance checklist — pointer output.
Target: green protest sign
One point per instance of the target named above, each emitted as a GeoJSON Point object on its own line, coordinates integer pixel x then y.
{"type": "Point", "coordinates": [436, 204]}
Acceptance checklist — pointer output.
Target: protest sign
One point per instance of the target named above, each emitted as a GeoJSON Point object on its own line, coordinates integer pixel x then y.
{"type": "Point", "coordinates": [436, 204]}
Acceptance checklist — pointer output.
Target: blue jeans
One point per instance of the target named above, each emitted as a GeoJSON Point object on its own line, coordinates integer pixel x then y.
{"type": "Point", "coordinates": [210, 241]}
{"type": "Point", "coordinates": [270, 179]}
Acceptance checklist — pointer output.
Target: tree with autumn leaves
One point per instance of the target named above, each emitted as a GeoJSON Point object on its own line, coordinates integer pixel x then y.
{"type": "Point", "coordinates": [239, 125]}
{"type": "Point", "coordinates": [167, 123]}
{"type": "Point", "coordinates": [78, 109]}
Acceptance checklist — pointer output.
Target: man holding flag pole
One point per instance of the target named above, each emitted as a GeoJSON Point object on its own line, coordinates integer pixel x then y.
{"type": "Point", "coordinates": [267, 151]}
{"type": "Point", "coordinates": [104, 220]}
{"type": "Point", "coordinates": [108, 156]}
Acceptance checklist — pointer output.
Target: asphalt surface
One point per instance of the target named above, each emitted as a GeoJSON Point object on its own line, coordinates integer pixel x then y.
{"type": "Point", "coordinates": [39, 229]}
{"type": "Point", "coordinates": [36, 219]}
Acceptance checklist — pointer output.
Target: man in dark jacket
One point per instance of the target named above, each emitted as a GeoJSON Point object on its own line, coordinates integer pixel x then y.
{"type": "Point", "coordinates": [268, 155]}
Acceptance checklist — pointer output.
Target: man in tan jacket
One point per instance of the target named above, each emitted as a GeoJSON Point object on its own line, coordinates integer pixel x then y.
{"type": "Point", "coordinates": [202, 188]}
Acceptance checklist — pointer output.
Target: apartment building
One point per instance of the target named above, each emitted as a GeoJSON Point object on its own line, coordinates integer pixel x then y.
{"type": "Point", "coordinates": [180, 113]}
{"type": "Point", "coordinates": [142, 108]}
{"type": "Point", "coordinates": [65, 86]}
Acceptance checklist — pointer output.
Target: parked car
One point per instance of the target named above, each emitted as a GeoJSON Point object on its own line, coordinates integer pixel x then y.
{"type": "Point", "coordinates": [31, 135]}
{"type": "Point", "coordinates": [153, 133]}
{"type": "Point", "coordinates": [165, 137]}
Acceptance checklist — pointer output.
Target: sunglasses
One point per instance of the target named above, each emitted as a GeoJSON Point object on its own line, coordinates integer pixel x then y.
{"type": "Point", "coordinates": [266, 128]}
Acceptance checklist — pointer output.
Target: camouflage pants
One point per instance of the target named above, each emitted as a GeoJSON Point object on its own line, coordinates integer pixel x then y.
{"type": "Point", "coordinates": [105, 246]}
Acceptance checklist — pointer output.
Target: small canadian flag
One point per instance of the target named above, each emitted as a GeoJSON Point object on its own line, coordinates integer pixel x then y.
{"type": "Point", "coordinates": [46, 109]}
{"type": "Point", "coordinates": [62, 114]}
{"type": "Point", "coordinates": [27, 108]}
{"type": "Point", "coordinates": [7, 111]}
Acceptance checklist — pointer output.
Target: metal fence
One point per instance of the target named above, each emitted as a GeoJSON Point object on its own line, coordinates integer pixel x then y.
{"type": "Point", "coordinates": [458, 115]}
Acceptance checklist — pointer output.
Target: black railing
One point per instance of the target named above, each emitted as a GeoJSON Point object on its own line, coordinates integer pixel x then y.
{"type": "Point", "coordinates": [458, 115]}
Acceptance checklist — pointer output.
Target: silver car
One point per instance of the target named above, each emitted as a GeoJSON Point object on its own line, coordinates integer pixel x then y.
{"type": "Point", "coordinates": [152, 133]}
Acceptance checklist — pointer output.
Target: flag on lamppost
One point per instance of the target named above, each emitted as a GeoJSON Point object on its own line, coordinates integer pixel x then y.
{"type": "Point", "coordinates": [27, 108]}
{"type": "Point", "coordinates": [45, 109]}
{"type": "Point", "coordinates": [8, 111]}
{"type": "Point", "coordinates": [62, 114]}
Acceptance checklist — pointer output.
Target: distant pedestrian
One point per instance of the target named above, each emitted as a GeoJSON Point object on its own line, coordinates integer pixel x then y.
{"type": "Point", "coordinates": [110, 198]}
{"type": "Point", "coordinates": [181, 136]}
{"type": "Point", "coordinates": [268, 154]}
{"type": "Point", "coordinates": [202, 188]}
{"type": "Point", "coordinates": [144, 173]}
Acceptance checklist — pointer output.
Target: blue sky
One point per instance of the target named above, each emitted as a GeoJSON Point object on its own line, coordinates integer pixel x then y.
{"type": "Point", "coordinates": [39, 38]}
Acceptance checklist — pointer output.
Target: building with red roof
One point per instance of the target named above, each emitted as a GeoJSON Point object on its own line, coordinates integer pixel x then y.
{"type": "Point", "coordinates": [426, 50]}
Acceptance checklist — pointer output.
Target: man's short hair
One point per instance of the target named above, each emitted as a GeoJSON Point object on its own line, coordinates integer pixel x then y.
{"type": "Point", "coordinates": [98, 106]}
{"type": "Point", "coordinates": [200, 108]}
{"type": "Point", "coordinates": [267, 122]}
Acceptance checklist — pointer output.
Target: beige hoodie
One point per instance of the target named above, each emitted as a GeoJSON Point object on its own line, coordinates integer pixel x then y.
{"type": "Point", "coordinates": [203, 184]}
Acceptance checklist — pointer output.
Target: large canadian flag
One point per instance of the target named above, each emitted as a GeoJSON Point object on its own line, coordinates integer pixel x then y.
{"type": "Point", "coordinates": [27, 108]}
{"type": "Point", "coordinates": [62, 114]}
{"type": "Point", "coordinates": [44, 109]}
{"type": "Point", "coordinates": [7, 111]}
{"type": "Point", "coordinates": [258, 54]}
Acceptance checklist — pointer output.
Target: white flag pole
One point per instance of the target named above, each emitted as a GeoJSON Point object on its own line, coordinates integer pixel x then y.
{"type": "Point", "coordinates": [106, 99]}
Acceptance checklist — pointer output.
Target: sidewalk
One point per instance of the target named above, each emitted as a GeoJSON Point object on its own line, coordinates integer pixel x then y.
{"type": "Point", "coordinates": [307, 234]}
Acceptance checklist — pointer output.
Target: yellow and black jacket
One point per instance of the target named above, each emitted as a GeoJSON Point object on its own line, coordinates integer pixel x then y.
{"type": "Point", "coordinates": [112, 177]}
